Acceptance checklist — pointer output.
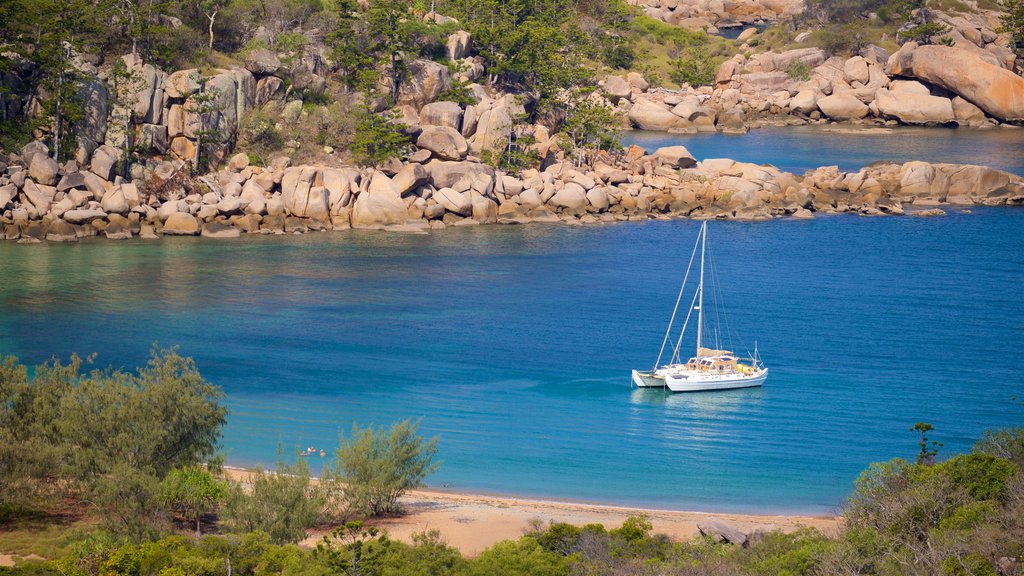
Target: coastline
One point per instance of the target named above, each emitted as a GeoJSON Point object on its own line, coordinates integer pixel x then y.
{"type": "Point", "coordinates": [473, 522]}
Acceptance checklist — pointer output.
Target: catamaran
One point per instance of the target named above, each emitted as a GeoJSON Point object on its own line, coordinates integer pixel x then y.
{"type": "Point", "coordinates": [710, 368]}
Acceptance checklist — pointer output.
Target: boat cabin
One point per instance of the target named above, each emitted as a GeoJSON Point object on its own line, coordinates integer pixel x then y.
{"type": "Point", "coordinates": [721, 363]}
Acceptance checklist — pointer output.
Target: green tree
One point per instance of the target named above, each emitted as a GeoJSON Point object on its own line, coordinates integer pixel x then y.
{"type": "Point", "coordinates": [205, 105]}
{"type": "Point", "coordinates": [1012, 22]}
{"type": "Point", "coordinates": [695, 66]}
{"type": "Point", "coordinates": [523, 557]}
{"type": "Point", "coordinates": [377, 137]}
{"type": "Point", "coordinates": [354, 549]}
{"type": "Point", "coordinates": [193, 492]}
{"type": "Point", "coordinates": [390, 25]}
{"type": "Point", "coordinates": [589, 128]}
{"type": "Point", "coordinates": [106, 436]}
{"type": "Point", "coordinates": [283, 503]}
{"type": "Point", "coordinates": [379, 465]}
{"type": "Point", "coordinates": [928, 451]}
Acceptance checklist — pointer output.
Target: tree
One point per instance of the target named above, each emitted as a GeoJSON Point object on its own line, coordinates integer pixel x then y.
{"type": "Point", "coordinates": [283, 503]}
{"type": "Point", "coordinates": [350, 46]}
{"type": "Point", "coordinates": [106, 436]}
{"type": "Point", "coordinates": [391, 27]}
{"type": "Point", "coordinates": [589, 128]}
{"type": "Point", "coordinates": [379, 466]}
{"type": "Point", "coordinates": [1012, 21]}
{"type": "Point", "coordinates": [695, 66]}
{"type": "Point", "coordinates": [193, 491]}
{"type": "Point", "coordinates": [206, 106]}
{"type": "Point", "coordinates": [210, 9]}
{"type": "Point", "coordinates": [377, 137]}
{"type": "Point", "coordinates": [928, 451]}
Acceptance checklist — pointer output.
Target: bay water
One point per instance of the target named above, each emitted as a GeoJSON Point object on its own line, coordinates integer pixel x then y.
{"type": "Point", "coordinates": [513, 344]}
{"type": "Point", "coordinates": [797, 149]}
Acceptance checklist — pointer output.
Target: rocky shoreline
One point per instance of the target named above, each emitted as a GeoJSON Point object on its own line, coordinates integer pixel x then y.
{"type": "Point", "coordinates": [41, 200]}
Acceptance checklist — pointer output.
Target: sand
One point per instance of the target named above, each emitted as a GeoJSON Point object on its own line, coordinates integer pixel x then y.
{"type": "Point", "coordinates": [472, 523]}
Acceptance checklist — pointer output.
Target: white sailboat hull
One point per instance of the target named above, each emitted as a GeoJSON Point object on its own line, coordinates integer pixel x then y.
{"type": "Point", "coordinates": [648, 380]}
{"type": "Point", "coordinates": [700, 382]}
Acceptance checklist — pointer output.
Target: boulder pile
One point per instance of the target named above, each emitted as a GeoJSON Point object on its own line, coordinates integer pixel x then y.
{"type": "Point", "coordinates": [970, 82]}
{"type": "Point", "coordinates": [40, 199]}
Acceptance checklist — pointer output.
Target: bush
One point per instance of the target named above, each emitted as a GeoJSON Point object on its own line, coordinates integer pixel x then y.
{"type": "Point", "coordinates": [695, 66]}
{"type": "Point", "coordinates": [379, 465]}
{"type": "Point", "coordinates": [377, 138]}
{"type": "Point", "coordinates": [284, 504]}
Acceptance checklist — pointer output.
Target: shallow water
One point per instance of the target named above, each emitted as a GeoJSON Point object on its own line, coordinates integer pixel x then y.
{"type": "Point", "coordinates": [514, 345]}
{"type": "Point", "coordinates": [800, 148]}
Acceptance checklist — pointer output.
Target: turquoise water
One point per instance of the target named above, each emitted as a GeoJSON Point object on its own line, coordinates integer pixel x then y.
{"type": "Point", "coordinates": [800, 148]}
{"type": "Point", "coordinates": [514, 345]}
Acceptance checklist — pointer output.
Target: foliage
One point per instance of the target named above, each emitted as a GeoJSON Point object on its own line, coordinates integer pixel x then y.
{"type": "Point", "coordinates": [1007, 444]}
{"type": "Point", "coordinates": [1012, 22]}
{"type": "Point", "coordinates": [928, 451]}
{"type": "Point", "coordinates": [106, 434]}
{"type": "Point", "coordinates": [377, 137]}
{"type": "Point", "coordinates": [799, 70]}
{"type": "Point", "coordinates": [841, 38]}
{"type": "Point", "coordinates": [924, 33]}
{"type": "Point", "coordinates": [193, 492]}
{"type": "Point", "coordinates": [284, 504]}
{"type": "Point", "coordinates": [695, 66]}
{"type": "Point", "coordinates": [379, 465]}
{"type": "Point", "coordinates": [589, 128]}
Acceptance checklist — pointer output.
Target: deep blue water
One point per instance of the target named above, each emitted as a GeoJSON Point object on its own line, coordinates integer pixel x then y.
{"type": "Point", "coordinates": [514, 345]}
{"type": "Point", "coordinates": [797, 149]}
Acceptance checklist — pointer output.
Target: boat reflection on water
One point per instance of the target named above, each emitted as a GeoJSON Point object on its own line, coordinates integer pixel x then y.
{"type": "Point", "coordinates": [701, 403]}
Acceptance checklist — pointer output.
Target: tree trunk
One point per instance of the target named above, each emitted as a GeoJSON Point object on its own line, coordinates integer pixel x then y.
{"type": "Point", "coordinates": [212, 17]}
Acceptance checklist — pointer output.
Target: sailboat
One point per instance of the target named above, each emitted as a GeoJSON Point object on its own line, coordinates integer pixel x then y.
{"type": "Point", "coordinates": [709, 368]}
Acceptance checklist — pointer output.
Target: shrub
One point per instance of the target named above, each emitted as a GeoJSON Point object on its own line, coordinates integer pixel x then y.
{"type": "Point", "coordinates": [924, 33]}
{"type": "Point", "coordinates": [379, 465]}
{"type": "Point", "coordinates": [1007, 444]}
{"type": "Point", "coordinates": [284, 504]}
{"type": "Point", "coordinates": [695, 66]}
{"type": "Point", "coordinates": [377, 138]}
{"type": "Point", "coordinates": [799, 71]}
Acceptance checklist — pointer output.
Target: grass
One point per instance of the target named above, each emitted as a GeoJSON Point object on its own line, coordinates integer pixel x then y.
{"type": "Point", "coordinates": [41, 534]}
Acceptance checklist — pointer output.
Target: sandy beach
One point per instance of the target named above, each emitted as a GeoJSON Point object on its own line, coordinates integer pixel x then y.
{"type": "Point", "coordinates": [474, 522]}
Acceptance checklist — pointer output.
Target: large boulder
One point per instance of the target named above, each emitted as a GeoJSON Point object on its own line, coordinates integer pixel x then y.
{"type": "Point", "coordinates": [995, 90]}
{"type": "Point", "coordinates": [183, 83]}
{"type": "Point", "coordinates": [425, 81]}
{"type": "Point", "coordinates": [444, 174]}
{"type": "Point", "coordinates": [494, 123]}
{"type": "Point", "coordinates": [722, 531]}
{"type": "Point", "coordinates": [43, 170]}
{"type": "Point", "coordinates": [104, 160]}
{"type": "Point", "coordinates": [458, 45]}
{"type": "Point", "coordinates": [181, 224]}
{"type": "Point", "coordinates": [441, 114]}
{"type": "Point", "coordinates": [912, 108]}
{"type": "Point", "coordinates": [39, 196]}
{"type": "Point", "coordinates": [455, 202]}
{"type": "Point", "coordinates": [805, 101]}
{"type": "Point", "coordinates": [647, 115]}
{"type": "Point", "coordinates": [444, 142]}
{"type": "Point", "coordinates": [114, 202]}
{"type": "Point", "coordinates": [570, 197]}
{"type": "Point", "coordinates": [675, 156]}
{"type": "Point", "coordinates": [844, 106]}
{"type": "Point", "coordinates": [262, 62]}
{"type": "Point", "coordinates": [616, 87]}
{"type": "Point", "coordinates": [410, 177]}
{"type": "Point", "coordinates": [379, 204]}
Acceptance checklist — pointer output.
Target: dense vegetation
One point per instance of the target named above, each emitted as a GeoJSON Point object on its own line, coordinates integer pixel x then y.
{"type": "Point", "coordinates": [138, 452]}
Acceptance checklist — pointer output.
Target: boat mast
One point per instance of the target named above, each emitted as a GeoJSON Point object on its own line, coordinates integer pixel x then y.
{"type": "Point", "coordinates": [700, 286]}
